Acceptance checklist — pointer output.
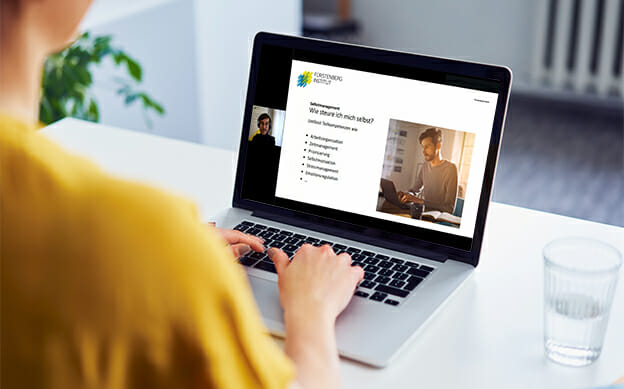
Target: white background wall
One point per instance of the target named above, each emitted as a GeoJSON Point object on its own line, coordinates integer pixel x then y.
{"type": "Point", "coordinates": [491, 31]}
{"type": "Point", "coordinates": [225, 32]}
{"type": "Point", "coordinates": [162, 40]}
{"type": "Point", "coordinates": [195, 56]}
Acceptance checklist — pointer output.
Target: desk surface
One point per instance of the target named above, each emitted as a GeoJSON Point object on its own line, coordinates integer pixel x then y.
{"type": "Point", "coordinates": [488, 335]}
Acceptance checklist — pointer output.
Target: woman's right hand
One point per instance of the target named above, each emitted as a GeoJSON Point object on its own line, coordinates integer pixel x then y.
{"type": "Point", "coordinates": [316, 283]}
{"type": "Point", "coordinates": [314, 288]}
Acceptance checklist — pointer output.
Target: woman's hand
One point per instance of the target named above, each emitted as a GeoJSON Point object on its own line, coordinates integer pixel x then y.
{"type": "Point", "coordinates": [314, 288]}
{"type": "Point", "coordinates": [241, 243]}
{"type": "Point", "coordinates": [316, 282]}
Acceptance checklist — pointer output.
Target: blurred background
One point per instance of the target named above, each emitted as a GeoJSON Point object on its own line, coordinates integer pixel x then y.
{"type": "Point", "coordinates": [563, 144]}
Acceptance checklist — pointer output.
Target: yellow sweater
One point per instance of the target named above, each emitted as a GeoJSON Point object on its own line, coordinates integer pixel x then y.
{"type": "Point", "coordinates": [110, 284]}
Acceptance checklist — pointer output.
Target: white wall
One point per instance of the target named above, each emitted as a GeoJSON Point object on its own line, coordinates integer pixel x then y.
{"type": "Point", "coordinates": [195, 56]}
{"type": "Point", "coordinates": [225, 32]}
{"type": "Point", "coordinates": [492, 31]}
{"type": "Point", "coordinates": [162, 40]}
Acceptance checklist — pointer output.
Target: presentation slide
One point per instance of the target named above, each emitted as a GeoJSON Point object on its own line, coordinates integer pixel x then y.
{"type": "Point", "coordinates": [339, 134]}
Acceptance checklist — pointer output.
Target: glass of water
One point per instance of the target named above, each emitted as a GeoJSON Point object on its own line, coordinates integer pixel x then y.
{"type": "Point", "coordinates": [580, 276]}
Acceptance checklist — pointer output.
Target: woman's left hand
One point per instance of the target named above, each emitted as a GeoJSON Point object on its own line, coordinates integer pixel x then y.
{"type": "Point", "coordinates": [241, 243]}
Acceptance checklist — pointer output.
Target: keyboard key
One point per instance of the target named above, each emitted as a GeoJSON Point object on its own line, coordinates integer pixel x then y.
{"type": "Point", "coordinates": [411, 264]}
{"type": "Point", "coordinates": [385, 272]}
{"type": "Point", "coordinates": [382, 279]}
{"type": "Point", "coordinates": [279, 245]}
{"type": "Point", "coordinates": [246, 223]}
{"type": "Point", "coordinates": [241, 227]}
{"type": "Point", "coordinates": [254, 231]}
{"type": "Point", "coordinates": [396, 260]}
{"type": "Point", "coordinates": [290, 254]}
{"type": "Point", "coordinates": [378, 296]}
{"type": "Point", "coordinates": [417, 272]}
{"type": "Point", "coordinates": [426, 268]}
{"type": "Point", "coordinates": [287, 233]}
{"type": "Point", "coordinates": [391, 302]}
{"type": "Point", "coordinates": [397, 283]}
{"type": "Point", "coordinates": [371, 268]}
{"type": "Point", "coordinates": [359, 293]}
{"type": "Point", "coordinates": [400, 268]}
{"type": "Point", "coordinates": [371, 261]}
{"type": "Point", "coordinates": [339, 247]}
{"type": "Point", "coordinates": [368, 284]}
{"type": "Point", "coordinates": [260, 226]}
{"type": "Point", "coordinates": [280, 237]}
{"type": "Point", "coordinates": [381, 256]}
{"type": "Point", "coordinates": [412, 282]}
{"type": "Point", "coordinates": [369, 275]}
{"type": "Point", "coordinates": [353, 250]}
{"type": "Point", "coordinates": [399, 276]}
{"type": "Point", "coordinates": [299, 236]}
{"type": "Point", "coordinates": [358, 257]}
{"type": "Point", "coordinates": [368, 253]}
{"type": "Point", "coordinates": [391, 290]}
{"type": "Point", "coordinates": [292, 240]}
{"type": "Point", "coordinates": [357, 263]}
{"type": "Point", "coordinates": [247, 261]}
{"type": "Point", "coordinates": [290, 247]}
{"type": "Point", "coordinates": [310, 239]}
{"type": "Point", "coordinates": [266, 266]}
{"type": "Point", "coordinates": [385, 264]}
{"type": "Point", "coordinates": [274, 230]}
{"type": "Point", "coordinates": [257, 255]}
{"type": "Point", "coordinates": [265, 234]}
{"type": "Point", "coordinates": [324, 242]}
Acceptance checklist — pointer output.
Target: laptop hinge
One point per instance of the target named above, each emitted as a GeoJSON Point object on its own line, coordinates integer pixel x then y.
{"type": "Point", "coordinates": [356, 233]}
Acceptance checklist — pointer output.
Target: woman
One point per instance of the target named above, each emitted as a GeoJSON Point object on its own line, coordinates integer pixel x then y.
{"type": "Point", "coordinates": [107, 283]}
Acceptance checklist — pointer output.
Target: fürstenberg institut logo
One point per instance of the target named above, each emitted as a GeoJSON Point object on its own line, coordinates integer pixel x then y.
{"type": "Point", "coordinates": [307, 77]}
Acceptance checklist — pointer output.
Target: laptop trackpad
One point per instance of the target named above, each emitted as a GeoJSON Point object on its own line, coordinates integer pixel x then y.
{"type": "Point", "coordinates": [267, 297]}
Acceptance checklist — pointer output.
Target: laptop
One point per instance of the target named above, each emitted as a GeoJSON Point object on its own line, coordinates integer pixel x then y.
{"type": "Point", "coordinates": [390, 193]}
{"type": "Point", "coordinates": [343, 117]}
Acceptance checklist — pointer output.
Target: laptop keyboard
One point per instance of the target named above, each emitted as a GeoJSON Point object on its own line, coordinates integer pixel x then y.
{"type": "Point", "coordinates": [386, 279]}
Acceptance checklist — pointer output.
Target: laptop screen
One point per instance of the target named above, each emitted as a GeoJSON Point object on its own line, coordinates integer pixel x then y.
{"type": "Point", "coordinates": [325, 130]}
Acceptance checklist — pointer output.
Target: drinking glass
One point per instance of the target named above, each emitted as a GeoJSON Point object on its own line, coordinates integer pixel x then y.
{"type": "Point", "coordinates": [580, 277]}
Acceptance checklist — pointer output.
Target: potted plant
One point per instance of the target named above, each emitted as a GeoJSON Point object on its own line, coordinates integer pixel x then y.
{"type": "Point", "coordinates": [67, 80]}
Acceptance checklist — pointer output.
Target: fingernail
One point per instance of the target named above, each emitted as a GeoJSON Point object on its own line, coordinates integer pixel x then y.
{"type": "Point", "coordinates": [242, 250]}
{"type": "Point", "coordinates": [271, 251]}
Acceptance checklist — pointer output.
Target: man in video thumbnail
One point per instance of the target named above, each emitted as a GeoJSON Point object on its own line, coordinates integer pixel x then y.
{"type": "Point", "coordinates": [437, 179]}
{"type": "Point", "coordinates": [264, 126]}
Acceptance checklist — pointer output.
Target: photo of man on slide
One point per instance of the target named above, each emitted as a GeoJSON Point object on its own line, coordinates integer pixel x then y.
{"type": "Point", "coordinates": [437, 179]}
{"type": "Point", "coordinates": [425, 172]}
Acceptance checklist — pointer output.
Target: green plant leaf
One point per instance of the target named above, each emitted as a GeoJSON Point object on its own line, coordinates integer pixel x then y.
{"type": "Point", "coordinates": [94, 111]}
{"type": "Point", "coordinates": [67, 79]}
{"type": "Point", "coordinates": [134, 69]}
{"type": "Point", "coordinates": [118, 56]}
{"type": "Point", "coordinates": [131, 98]}
{"type": "Point", "coordinates": [149, 103]}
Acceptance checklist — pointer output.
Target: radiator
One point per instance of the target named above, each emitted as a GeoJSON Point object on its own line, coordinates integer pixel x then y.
{"type": "Point", "coordinates": [578, 46]}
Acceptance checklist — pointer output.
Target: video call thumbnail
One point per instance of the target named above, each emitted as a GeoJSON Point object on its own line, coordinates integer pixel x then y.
{"type": "Point", "coordinates": [267, 126]}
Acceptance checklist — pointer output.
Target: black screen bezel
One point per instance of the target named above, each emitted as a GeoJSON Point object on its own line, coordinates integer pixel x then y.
{"type": "Point", "coordinates": [401, 237]}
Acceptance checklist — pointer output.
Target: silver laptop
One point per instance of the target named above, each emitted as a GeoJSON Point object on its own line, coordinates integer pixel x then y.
{"type": "Point", "coordinates": [340, 118]}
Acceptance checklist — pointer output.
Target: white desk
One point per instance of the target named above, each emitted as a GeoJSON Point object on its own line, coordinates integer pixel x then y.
{"type": "Point", "coordinates": [489, 335]}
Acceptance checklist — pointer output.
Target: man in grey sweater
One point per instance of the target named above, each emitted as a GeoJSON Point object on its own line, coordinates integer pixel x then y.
{"type": "Point", "coordinates": [437, 178]}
